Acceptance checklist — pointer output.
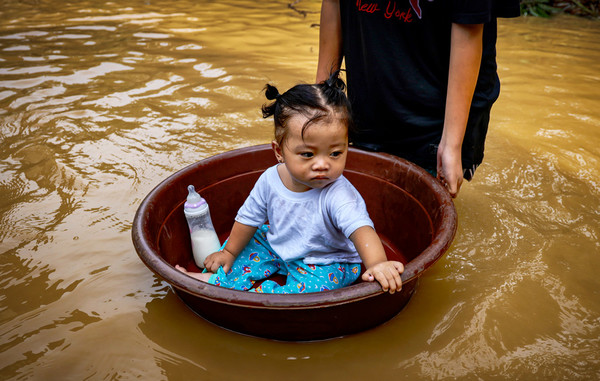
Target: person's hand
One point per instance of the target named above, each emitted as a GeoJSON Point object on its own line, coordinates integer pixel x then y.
{"type": "Point", "coordinates": [387, 274]}
{"type": "Point", "coordinates": [449, 169]}
{"type": "Point", "coordinates": [217, 259]}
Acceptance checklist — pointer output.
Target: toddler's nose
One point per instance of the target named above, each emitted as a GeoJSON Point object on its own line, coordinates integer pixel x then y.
{"type": "Point", "coordinates": [321, 164]}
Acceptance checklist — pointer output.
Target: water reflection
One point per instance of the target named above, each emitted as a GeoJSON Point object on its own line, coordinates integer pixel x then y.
{"type": "Point", "coordinates": [101, 101]}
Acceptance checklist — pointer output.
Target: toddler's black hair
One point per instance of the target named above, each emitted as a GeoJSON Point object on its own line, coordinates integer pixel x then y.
{"type": "Point", "coordinates": [316, 102]}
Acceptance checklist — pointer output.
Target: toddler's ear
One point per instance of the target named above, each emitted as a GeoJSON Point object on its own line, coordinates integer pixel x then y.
{"type": "Point", "coordinates": [277, 150]}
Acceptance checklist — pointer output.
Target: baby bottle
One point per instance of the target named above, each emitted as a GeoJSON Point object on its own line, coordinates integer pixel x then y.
{"type": "Point", "coordinates": [203, 235]}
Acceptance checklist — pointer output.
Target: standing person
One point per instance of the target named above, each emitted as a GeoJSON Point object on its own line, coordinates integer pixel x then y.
{"type": "Point", "coordinates": [319, 229]}
{"type": "Point", "coordinates": [421, 76]}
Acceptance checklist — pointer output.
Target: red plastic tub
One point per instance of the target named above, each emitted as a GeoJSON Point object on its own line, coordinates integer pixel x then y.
{"type": "Point", "coordinates": [413, 214]}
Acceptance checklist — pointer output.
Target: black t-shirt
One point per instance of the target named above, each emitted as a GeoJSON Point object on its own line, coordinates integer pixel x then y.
{"type": "Point", "coordinates": [397, 59]}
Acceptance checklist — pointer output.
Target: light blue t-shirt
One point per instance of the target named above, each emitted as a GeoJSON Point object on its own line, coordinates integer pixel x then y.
{"type": "Point", "coordinates": [312, 225]}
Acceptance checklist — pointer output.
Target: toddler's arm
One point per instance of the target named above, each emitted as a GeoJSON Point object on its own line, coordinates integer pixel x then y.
{"type": "Point", "coordinates": [371, 251]}
{"type": "Point", "coordinates": [238, 239]}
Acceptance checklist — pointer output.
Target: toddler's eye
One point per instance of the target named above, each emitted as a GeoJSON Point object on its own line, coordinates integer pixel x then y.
{"type": "Point", "coordinates": [336, 153]}
{"type": "Point", "coordinates": [306, 154]}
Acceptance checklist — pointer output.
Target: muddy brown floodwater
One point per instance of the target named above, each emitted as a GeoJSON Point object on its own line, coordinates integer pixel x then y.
{"type": "Point", "coordinates": [102, 101]}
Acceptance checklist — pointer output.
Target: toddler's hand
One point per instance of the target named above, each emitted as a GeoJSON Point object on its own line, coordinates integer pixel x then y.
{"type": "Point", "coordinates": [387, 274]}
{"type": "Point", "coordinates": [218, 259]}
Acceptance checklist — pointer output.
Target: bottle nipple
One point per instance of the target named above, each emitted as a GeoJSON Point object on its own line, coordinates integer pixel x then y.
{"type": "Point", "coordinates": [194, 200]}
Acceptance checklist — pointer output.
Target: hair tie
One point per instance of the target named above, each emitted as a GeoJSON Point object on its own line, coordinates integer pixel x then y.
{"type": "Point", "coordinates": [334, 82]}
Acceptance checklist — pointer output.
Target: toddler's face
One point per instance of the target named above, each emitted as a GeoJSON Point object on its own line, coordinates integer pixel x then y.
{"type": "Point", "coordinates": [318, 159]}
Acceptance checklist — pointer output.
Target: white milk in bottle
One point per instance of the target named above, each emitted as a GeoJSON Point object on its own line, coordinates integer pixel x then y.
{"type": "Point", "coordinates": [202, 233]}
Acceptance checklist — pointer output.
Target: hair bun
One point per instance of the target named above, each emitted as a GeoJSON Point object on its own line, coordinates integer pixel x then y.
{"type": "Point", "coordinates": [271, 92]}
{"type": "Point", "coordinates": [335, 82]}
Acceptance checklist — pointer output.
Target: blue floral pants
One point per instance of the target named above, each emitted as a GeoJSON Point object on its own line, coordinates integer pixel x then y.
{"type": "Point", "coordinates": [258, 261]}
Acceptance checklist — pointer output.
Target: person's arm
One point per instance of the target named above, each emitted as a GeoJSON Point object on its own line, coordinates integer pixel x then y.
{"type": "Point", "coordinates": [465, 60]}
{"type": "Point", "coordinates": [238, 239]}
{"type": "Point", "coordinates": [330, 40]}
{"type": "Point", "coordinates": [371, 251]}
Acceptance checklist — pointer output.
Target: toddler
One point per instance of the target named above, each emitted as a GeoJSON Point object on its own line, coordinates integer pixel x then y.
{"type": "Point", "coordinates": [318, 228]}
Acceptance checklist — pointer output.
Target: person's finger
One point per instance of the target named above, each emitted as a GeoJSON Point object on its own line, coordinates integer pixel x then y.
{"type": "Point", "coordinates": [381, 278]}
{"type": "Point", "coordinates": [442, 178]}
{"type": "Point", "coordinates": [398, 281]}
{"type": "Point", "coordinates": [399, 267]}
{"type": "Point", "coordinates": [392, 284]}
{"type": "Point", "coordinates": [213, 266]}
{"type": "Point", "coordinates": [452, 189]}
{"type": "Point", "coordinates": [458, 185]}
